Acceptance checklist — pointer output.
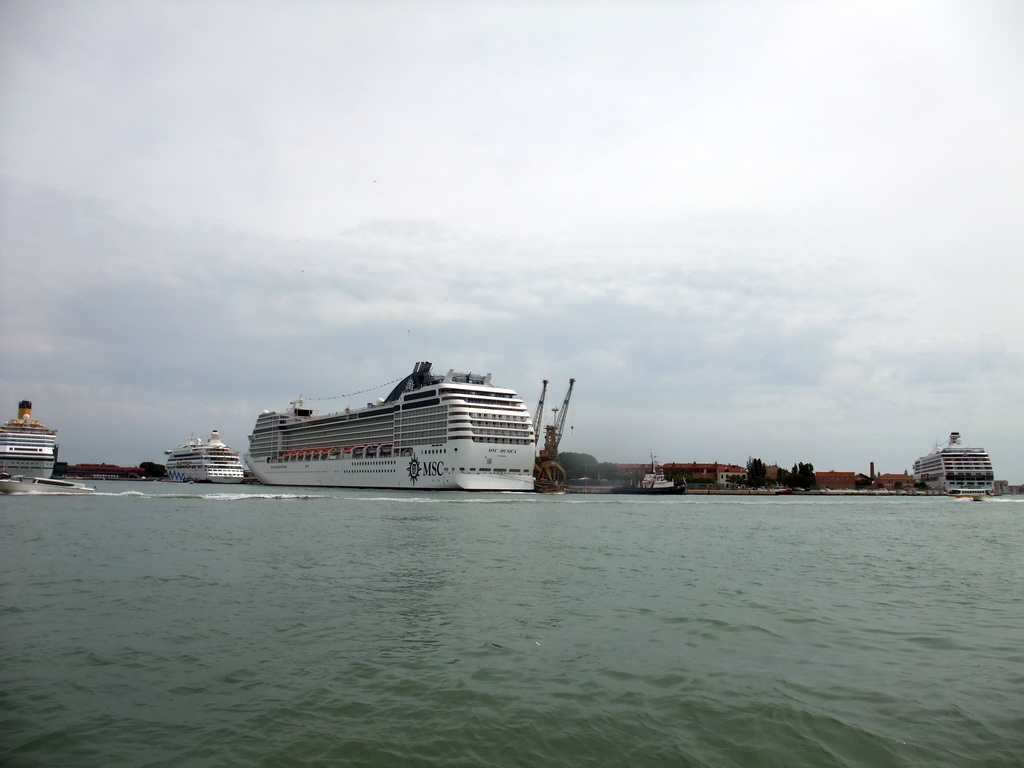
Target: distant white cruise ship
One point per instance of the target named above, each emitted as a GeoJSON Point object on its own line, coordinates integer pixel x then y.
{"type": "Point", "coordinates": [452, 432]}
{"type": "Point", "coordinates": [955, 469]}
{"type": "Point", "coordinates": [27, 447]}
{"type": "Point", "coordinates": [209, 462]}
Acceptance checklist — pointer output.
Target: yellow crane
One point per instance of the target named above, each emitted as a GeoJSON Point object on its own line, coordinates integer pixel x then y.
{"type": "Point", "coordinates": [549, 475]}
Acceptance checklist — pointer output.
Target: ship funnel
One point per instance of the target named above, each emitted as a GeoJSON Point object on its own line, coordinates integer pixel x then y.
{"type": "Point", "coordinates": [954, 438]}
{"type": "Point", "coordinates": [25, 410]}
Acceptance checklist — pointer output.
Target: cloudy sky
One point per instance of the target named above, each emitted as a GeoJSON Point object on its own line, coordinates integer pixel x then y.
{"type": "Point", "coordinates": [788, 230]}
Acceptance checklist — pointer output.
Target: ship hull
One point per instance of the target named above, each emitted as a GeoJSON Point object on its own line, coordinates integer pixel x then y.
{"type": "Point", "coordinates": [27, 466]}
{"type": "Point", "coordinates": [650, 491]}
{"type": "Point", "coordinates": [435, 470]}
{"type": "Point", "coordinates": [201, 476]}
{"type": "Point", "coordinates": [403, 474]}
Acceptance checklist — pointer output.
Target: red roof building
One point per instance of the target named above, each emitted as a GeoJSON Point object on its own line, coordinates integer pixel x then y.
{"type": "Point", "coordinates": [720, 474]}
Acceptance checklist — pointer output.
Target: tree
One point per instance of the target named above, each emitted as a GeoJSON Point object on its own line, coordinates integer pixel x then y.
{"type": "Point", "coordinates": [152, 469]}
{"type": "Point", "coordinates": [802, 476]}
{"type": "Point", "coordinates": [577, 464]}
{"type": "Point", "coordinates": [757, 473]}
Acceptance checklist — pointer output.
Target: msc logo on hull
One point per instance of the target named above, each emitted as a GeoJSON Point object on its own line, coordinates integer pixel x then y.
{"type": "Point", "coordinates": [418, 469]}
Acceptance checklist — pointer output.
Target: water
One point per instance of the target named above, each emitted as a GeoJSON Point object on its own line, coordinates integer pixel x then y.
{"type": "Point", "coordinates": [164, 625]}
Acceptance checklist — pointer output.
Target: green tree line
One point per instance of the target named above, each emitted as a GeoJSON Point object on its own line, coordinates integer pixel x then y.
{"type": "Point", "coordinates": [152, 469]}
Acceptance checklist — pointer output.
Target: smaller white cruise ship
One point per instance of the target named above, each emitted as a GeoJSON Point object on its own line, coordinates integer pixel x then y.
{"type": "Point", "coordinates": [209, 462]}
{"type": "Point", "coordinates": [956, 469]}
{"type": "Point", "coordinates": [27, 448]}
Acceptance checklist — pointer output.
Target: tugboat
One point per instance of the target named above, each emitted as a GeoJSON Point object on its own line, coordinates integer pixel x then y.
{"type": "Point", "coordinates": [654, 483]}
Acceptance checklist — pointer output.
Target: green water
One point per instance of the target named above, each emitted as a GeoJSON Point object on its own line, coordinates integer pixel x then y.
{"type": "Point", "coordinates": [246, 628]}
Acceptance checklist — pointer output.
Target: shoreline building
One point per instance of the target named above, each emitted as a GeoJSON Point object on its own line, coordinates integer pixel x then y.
{"type": "Point", "coordinates": [722, 475]}
{"type": "Point", "coordinates": [102, 472]}
{"type": "Point", "coordinates": [836, 481]}
{"type": "Point", "coordinates": [892, 481]}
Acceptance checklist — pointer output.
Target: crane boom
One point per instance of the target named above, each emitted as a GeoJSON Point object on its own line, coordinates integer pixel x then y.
{"type": "Point", "coordinates": [561, 414]}
{"type": "Point", "coordinates": [539, 413]}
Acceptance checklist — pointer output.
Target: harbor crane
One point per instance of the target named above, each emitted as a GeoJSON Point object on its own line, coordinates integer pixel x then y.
{"type": "Point", "coordinates": [539, 414]}
{"type": "Point", "coordinates": [549, 475]}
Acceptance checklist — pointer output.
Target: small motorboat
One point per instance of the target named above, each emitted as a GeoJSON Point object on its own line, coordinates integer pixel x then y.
{"type": "Point", "coordinates": [20, 484]}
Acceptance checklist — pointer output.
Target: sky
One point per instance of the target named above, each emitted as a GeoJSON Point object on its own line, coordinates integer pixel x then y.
{"type": "Point", "coordinates": [784, 230]}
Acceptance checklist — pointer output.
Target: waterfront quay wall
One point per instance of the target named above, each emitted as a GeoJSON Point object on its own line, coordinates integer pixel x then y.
{"type": "Point", "coordinates": [704, 491]}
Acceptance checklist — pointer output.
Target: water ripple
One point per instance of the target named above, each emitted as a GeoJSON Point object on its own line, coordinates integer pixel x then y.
{"type": "Point", "coordinates": [377, 629]}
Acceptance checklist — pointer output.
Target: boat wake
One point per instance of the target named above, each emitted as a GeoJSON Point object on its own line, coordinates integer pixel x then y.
{"type": "Point", "coordinates": [219, 496]}
{"type": "Point", "coordinates": [456, 497]}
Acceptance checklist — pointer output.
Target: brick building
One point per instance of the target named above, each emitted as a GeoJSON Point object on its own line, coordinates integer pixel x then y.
{"type": "Point", "coordinates": [836, 481]}
{"type": "Point", "coordinates": [105, 472]}
{"type": "Point", "coordinates": [719, 474]}
{"type": "Point", "coordinates": [894, 482]}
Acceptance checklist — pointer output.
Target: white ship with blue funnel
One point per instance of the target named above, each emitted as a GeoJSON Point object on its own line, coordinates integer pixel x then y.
{"type": "Point", "coordinates": [455, 431]}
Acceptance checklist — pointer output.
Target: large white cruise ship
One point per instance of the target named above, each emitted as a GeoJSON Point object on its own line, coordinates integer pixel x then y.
{"type": "Point", "coordinates": [27, 447]}
{"type": "Point", "coordinates": [209, 462]}
{"type": "Point", "coordinates": [955, 469]}
{"type": "Point", "coordinates": [452, 432]}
